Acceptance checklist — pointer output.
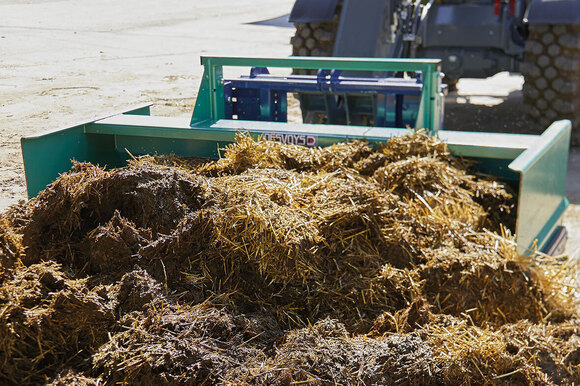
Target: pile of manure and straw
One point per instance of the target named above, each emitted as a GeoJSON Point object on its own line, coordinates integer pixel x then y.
{"type": "Point", "coordinates": [279, 264]}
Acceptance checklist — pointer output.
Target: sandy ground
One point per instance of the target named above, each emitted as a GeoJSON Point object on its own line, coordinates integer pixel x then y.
{"type": "Point", "coordinates": [62, 62]}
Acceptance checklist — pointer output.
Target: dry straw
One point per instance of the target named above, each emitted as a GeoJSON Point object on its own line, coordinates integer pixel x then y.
{"type": "Point", "coordinates": [282, 264]}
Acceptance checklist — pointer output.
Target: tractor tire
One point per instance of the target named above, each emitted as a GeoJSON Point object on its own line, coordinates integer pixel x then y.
{"type": "Point", "coordinates": [315, 39]}
{"type": "Point", "coordinates": [551, 70]}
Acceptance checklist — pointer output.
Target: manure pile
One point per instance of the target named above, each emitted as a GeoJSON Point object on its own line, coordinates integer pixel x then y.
{"type": "Point", "coordinates": [281, 265]}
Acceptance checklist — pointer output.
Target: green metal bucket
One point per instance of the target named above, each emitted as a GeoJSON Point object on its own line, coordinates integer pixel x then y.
{"type": "Point", "coordinates": [535, 164]}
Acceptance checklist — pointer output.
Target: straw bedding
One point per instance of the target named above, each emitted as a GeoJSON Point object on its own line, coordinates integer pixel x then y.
{"type": "Point", "coordinates": [276, 264]}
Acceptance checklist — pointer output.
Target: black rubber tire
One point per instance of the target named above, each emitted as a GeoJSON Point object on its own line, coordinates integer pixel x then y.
{"type": "Point", "coordinates": [551, 71]}
{"type": "Point", "coordinates": [315, 39]}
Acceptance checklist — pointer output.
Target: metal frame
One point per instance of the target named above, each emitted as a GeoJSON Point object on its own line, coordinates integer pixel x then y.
{"type": "Point", "coordinates": [209, 105]}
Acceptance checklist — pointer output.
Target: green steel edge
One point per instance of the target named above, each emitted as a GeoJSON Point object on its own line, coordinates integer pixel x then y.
{"type": "Point", "coordinates": [542, 186]}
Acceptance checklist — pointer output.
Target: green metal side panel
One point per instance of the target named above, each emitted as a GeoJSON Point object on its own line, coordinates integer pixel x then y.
{"type": "Point", "coordinates": [541, 198]}
{"type": "Point", "coordinates": [49, 154]}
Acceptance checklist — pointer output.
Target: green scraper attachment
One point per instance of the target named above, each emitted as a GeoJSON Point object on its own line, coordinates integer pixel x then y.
{"type": "Point", "coordinates": [536, 164]}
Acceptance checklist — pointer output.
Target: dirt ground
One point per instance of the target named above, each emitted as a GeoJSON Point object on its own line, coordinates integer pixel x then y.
{"type": "Point", "coordinates": [68, 61]}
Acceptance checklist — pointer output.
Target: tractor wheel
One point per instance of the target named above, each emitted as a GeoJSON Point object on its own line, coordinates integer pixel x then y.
{"type": "Point", "coordinates": [315, 39]}
{"type": "Point", "coordinates": [551, 71]}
